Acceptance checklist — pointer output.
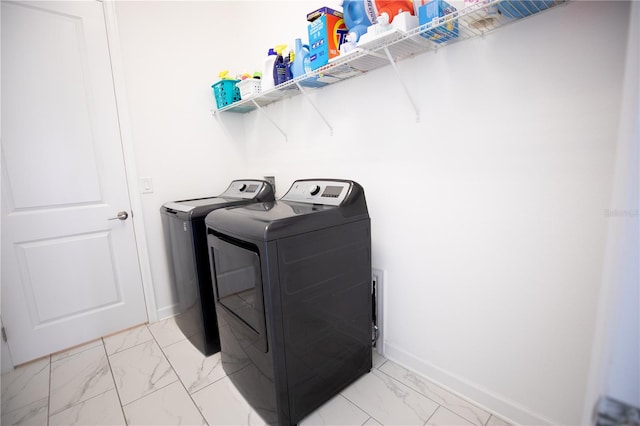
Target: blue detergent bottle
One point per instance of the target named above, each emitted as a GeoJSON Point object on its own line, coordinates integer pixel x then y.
{"type": "Point", "coordinates": [301, 51]}
{"type": "Point", "coordinates": [302, 65]}
{"type": "Point", "coordinates": [359, 15]}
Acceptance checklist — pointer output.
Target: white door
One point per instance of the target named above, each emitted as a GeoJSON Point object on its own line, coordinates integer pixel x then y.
{"type": "Point", "coordinates": [69, 273]}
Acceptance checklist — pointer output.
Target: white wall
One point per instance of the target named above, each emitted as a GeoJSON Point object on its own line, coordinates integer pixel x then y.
{"type": "Point", "coordinates": [171, 57]}
{"type": "Point", "coordinates": [487, 216]}
{"type": "Point", "coordinates": [619, 312]}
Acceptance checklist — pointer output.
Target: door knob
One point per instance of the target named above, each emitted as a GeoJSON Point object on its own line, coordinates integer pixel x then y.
{"type": "Point", "coordinates": [122, 215]}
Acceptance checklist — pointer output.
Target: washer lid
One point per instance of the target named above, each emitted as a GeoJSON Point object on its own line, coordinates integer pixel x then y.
{"type": "Point", "coordinates": [188, 205]}
{"type": "Point", "coordinates": [299, 211]}
{"type": "Point", "coordinates": [239, 192]}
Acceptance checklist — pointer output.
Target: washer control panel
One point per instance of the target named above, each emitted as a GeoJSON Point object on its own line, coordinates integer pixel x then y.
{"type": "Point", "coordinates": [328, 192]}
{"type": "Point", "coordinates": [243, 189]}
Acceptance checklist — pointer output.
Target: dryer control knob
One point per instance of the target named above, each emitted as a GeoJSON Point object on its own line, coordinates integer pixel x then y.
{"type": "Point", "coordinates": [314, 189]}
{"type": "Point", "coordinates": [242, 187]}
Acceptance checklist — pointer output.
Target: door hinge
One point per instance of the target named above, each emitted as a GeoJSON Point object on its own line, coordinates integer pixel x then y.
{"type": "Point", "coordinates": [4, 334]}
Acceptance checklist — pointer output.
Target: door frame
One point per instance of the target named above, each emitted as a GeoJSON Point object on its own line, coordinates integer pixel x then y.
{"type": "Point", "coordinates": [617, 269]}
{"type": "Point", "coordinates": [117, 70]}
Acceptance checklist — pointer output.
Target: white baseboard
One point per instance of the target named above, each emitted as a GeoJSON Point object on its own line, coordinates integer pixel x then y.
{"type": "Point", "coordinates": [167, 312]}
{"type": "Point", "coordinates": [476, 394]}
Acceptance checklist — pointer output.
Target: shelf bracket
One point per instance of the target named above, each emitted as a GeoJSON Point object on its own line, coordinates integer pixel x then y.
{"type": "Point", "coordinates": [404, 86]}
{"type": "Point", "coordinates": [315, 107]}
{"type": "Point", "coordinates": [269, 118]}
{"type": "Point", "coordinates": [216, 115]}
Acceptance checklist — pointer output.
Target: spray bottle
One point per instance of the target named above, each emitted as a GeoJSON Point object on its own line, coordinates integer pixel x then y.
{"type": "Point", "coordinates": [279, 67]}
{"type": "Point", "coordinates": [288, 63]}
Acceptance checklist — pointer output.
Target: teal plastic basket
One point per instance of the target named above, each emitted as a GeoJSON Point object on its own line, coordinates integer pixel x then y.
{"type": "Point", "coordinates": [226, 92]}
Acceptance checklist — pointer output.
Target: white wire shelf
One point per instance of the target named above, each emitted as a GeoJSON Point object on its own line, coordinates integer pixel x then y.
{"type": "Point", "coordinates": [394, 46]}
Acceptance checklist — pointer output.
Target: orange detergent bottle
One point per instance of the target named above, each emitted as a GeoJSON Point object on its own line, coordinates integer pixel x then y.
{"type": "Point", "coordinates": [394, 7]}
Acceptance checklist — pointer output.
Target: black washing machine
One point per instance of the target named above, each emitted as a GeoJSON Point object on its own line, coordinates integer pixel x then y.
{"type": "Point", "coordinates": [186, 241]}
{"type": "Point", "coordinates": [292, 283]}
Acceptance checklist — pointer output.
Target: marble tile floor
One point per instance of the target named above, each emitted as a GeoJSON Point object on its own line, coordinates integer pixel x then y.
{"type": "Point", "coordinates": [152, 375]}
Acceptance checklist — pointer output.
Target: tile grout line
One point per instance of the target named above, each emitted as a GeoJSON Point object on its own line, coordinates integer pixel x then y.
{"type": "Point", "coordinates": [151, 393]}
{"type": "Point", "coordinates": [95, 396]}
{"type": "Point", "coordinates": [431, 399]}
{"type": "Point", "coordinates": [413, 389]}
{"type": "Point", "coordinates": [367, 419]}
{"type": "Point", "coordinates": [426, 422]}
{"type": "Point", "coordinates": [464, 399]}
{"type": "Point", "coordinates": [417, 391]}
{"type": "Point", "coordinates": [178, 376]}
{"type": "Point", "coordinates": [49, 393]}
{"type": "Point", "coordinates": [130, 347]}
{"type": "Point", "coordinates": [225, 376]}
{"type": "Point", "coordinates": [371, 416]}
{"type": "Point", "coordinates": [396, 380]}
{"type": "Point", "coordinates": [6, 412]}
{"type": "Point", "coordinates": [115, 385]}
{"type": "Point", "coordinates": [173, 368]}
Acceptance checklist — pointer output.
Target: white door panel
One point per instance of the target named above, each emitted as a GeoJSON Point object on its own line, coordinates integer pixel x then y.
{"type": "Point", "coordinates": [56, 288]}
{"type": "Point", "coordinates": [49, 89]}
{"type": "Point", "coordinates": [69, 274]}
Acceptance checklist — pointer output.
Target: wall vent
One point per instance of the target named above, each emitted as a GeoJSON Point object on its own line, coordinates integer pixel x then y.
{"type": "Point", "coordinates": [377, 295]}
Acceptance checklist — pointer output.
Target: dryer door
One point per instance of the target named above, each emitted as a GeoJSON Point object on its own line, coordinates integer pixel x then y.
{"type": "Point", "coordinates": [237, 284]}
